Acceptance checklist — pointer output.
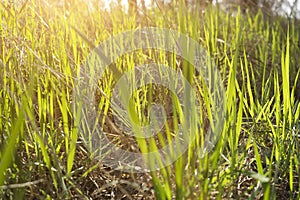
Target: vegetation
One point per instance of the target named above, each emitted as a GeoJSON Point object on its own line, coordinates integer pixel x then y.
{"type": "Point", "coordinates": [43, 156]}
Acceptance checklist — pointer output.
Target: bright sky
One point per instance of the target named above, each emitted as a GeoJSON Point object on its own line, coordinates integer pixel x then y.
{"type": "Point", "coordinates": [125, 3]}
{"type": "Point", "coordinates": [148, 2]}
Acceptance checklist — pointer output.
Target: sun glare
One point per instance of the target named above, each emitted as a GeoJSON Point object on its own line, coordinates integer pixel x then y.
{"type": "Point", "coordinates": [124, 3]}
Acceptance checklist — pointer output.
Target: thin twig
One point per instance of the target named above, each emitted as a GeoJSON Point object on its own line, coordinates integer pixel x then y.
{"type": "Point", "coordinates": [20, 185]}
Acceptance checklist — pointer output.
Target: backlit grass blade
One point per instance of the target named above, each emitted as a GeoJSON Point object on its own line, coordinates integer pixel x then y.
{"type": "Point", "coordinates": [9, 149]}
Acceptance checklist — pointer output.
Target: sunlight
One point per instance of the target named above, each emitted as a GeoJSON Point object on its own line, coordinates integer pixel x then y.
{"type": "Point", "coordinates": [124, 3]}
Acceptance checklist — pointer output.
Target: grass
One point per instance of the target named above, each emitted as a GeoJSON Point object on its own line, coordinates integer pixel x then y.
{"type": "Point", "coordinates": [43, 156]}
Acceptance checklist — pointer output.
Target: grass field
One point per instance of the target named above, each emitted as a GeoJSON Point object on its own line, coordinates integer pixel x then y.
{"type": "Point", "coordinates": [44, 48]}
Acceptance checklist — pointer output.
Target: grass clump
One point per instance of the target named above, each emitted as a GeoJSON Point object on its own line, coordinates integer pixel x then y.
{"type": "Point", "coordinates": [43, 49]}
